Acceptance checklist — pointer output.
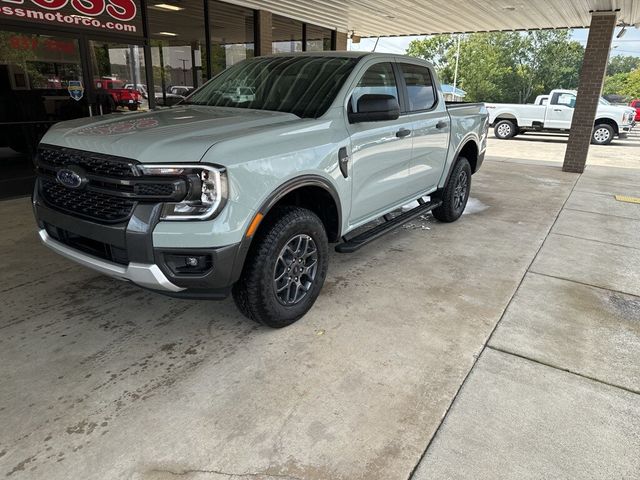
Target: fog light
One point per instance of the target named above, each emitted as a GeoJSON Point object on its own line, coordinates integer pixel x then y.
{"type": "Point", "coordinates": [191, 261]}
{"type": "Point", "coordinates": [188, 264]}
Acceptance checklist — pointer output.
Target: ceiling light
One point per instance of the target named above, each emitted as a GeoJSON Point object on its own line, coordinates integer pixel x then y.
{"type": "Point", "coordinates": [166, 6]}
{"type": "Point", "coordinates": [168, 34]}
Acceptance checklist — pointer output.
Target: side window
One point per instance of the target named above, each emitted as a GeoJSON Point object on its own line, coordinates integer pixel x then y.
{"type": "Point", "coordinates": [378, 79]}
{"type": "Point", "coordinates": [566, 99]}
{"type": "Point", "coordinates": [420, 90]}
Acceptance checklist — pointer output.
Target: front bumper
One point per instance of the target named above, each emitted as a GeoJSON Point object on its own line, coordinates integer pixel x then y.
{"type": "Point", "coordinates": [146, 275]}
{"type": "Point", "coordinates": [125, 251]}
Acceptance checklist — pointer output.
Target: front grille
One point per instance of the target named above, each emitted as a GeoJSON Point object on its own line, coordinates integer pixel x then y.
{"type": "Point", "coordinates": [92, 163]}
{"type": "Point", "coordinates": [87, 204]}
{"type": "Point", "coordinates": [102, 250]}
{"type": "Point", "coordinates": [112, 186]}
{"type": "Point", "coordinates": [153, 189]}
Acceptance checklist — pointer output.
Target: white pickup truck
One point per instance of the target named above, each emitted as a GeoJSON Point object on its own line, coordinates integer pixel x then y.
{"type": "Point", "coordinates": [554, 113]}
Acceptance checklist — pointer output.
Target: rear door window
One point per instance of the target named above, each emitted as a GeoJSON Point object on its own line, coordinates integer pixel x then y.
{"type": "Point", "coordinates": [421, 94]}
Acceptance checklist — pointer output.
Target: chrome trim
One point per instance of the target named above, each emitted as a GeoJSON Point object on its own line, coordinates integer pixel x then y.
{"type": "Point", "coordinates": [143, 274]}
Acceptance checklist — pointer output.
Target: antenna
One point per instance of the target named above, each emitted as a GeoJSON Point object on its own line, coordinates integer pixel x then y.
{"type": "Point", "coordinates": [376, 45]}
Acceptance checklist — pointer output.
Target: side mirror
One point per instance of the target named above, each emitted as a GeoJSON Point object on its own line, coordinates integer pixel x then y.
{"type": "Point", "coordinates": [375, 108]}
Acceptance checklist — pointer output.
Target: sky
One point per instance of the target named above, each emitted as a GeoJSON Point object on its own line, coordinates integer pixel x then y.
{"type": "Point", "coordinates": [629, 44]}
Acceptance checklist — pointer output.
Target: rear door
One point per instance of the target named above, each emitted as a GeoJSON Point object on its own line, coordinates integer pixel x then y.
{"type": "Point", "coordinates": [560, 110]}
{"type": "Point", "coordinates": [430, 126]}
{"type": "Point", "coordinates": [380, 151]}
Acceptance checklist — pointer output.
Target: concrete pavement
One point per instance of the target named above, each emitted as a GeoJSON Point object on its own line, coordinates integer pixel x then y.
{"type": "Point", "coordinates": [556, 393]}
{"type": "Point", "coordinates": [101, 380]}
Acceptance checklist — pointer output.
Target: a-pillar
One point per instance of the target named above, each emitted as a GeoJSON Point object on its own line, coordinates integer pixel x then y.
{"type": "Point", "coordinates": [594, 67]}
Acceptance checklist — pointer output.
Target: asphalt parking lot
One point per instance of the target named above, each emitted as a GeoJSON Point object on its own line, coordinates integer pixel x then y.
{"type": "Point", "coordinates": [519, 325]}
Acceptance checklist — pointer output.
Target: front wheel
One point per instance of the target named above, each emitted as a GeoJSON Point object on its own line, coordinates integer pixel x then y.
{"type": "Point", "coordinates": [285, 269]}
{"type": "Point", "coordinates": [455, 194]}
{"type": "Point", "coordinates": [602, 134]}
{"type": "Point", "coordinates": [504, 129]}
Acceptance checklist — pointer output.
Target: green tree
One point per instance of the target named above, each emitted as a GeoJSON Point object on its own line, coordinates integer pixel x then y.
{"type": "Point", "coordinates": [622, 64]}
{"type": "Point", "coordinates": [505, 66]}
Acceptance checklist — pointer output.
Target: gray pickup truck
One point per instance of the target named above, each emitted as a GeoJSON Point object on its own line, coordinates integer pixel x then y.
{"type": "Point", "coordinates": [242, 194]}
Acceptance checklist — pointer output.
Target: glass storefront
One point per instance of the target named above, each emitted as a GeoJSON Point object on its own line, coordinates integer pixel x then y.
{"type": "Point", "coordinates": [69, 60]}
{"type": "Point", "coordinates": [177, 33]}
{"type": "Point", "coordinates": [318, 39]}
{"type": "Point", "coordinates": [36, 74]}
{"type": "Point", "coordinates": [287, 35]}
{"type": "Point", "coordinates": [232, 35]}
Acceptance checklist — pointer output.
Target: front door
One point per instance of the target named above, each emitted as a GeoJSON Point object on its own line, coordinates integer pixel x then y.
{"type": "Point", "coordinates": [41, 82]}
{"type": "Point", "coordinates": [380, 151]}
{"type": "Point", "coordinates": [560, 110]}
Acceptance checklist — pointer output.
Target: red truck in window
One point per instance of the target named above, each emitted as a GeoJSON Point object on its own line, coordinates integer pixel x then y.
{"type": "Point", "coordinates": [636, 104]}
{"type": "Point", "coordinates": [122, 97]}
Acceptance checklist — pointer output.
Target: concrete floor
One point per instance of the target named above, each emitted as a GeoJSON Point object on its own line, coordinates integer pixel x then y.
{"type": "Point", "coordinates": [101, 380]}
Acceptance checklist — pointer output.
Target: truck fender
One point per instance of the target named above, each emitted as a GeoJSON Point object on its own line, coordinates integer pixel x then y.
{"type": "Point", "coordinates": [471, 137]}
{"type": "Point", "coordinates": [279, 193]}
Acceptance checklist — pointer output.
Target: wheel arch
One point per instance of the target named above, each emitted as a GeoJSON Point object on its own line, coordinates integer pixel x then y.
{"type": "Point", "coordinates": [468, 146]}
{"type": "Point", "coordinates": [608, 121]}
{"type": "Point", "coordinates": [309, 191]}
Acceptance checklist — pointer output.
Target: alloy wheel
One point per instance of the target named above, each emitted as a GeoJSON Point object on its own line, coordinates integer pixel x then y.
{"type": "Point", "coordinates": [295, 270]}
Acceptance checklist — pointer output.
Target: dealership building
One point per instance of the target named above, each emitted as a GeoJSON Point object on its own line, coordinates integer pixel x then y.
{"type": "Point", "coordinates": [63, 59]}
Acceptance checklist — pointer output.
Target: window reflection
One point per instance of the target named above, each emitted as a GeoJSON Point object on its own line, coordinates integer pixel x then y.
{"type": "Point", "coordinates": [176, 29]}
{"type": "Point", "coordinates": [232, 35]}
{"type": "Point", "coordinates": [318, 39]}
{"type": "Point", "coordinates": [287, 35]}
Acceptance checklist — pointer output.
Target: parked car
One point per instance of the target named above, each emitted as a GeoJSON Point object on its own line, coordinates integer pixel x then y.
{"type": "Point", "coordinates": [139, 87]}
{"type": "Point", "coordinates": [180, 90]}
{"type": "Point", "coordinates": [167, 99]}
{"type": "Point", "coordinates": [122, 97]}
{"type": "Point", "coordinates": [636, 105]}
{"type": "Point", "coordinates": [554, 113]}
{"type": "Point", "coordinates": [213, 197]}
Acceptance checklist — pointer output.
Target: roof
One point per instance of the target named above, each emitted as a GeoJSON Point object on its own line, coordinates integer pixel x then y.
{"type": "Point", "coordinates": [458, 92]}
{"type": "Point", "coordinates": [411, 17]}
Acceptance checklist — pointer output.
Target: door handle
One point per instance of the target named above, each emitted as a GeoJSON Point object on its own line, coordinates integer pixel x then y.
{"type": "Point", "coordinates": [441, 124]}
{"type": "Point", "coordinates": [403, 132]}
{"type": "Point", "coordinates": [557, 109]}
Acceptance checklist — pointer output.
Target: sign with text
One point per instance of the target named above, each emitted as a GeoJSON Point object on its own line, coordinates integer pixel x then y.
{"type": "Point", "coordinates": [109, 16]}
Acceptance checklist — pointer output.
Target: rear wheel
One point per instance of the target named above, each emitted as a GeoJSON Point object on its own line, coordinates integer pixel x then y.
{"type": "Point", "coordinates": [602, 134]}
{"type": "Point", "coordinates": [133, 108]}
{"type": "Point", "coordinates": [285, 269]}
{"type": "Point", "coordinates": [455, 194]}
{"type": "Point", "coordinates": [505, 129]}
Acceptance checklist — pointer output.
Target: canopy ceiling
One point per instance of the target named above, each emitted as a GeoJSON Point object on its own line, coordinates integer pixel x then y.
{"type": "Point", "coordinates": [370, 18]}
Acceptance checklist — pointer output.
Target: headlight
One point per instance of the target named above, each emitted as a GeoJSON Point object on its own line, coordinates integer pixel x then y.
{"type": "Point", "coordinates": [206, 195]}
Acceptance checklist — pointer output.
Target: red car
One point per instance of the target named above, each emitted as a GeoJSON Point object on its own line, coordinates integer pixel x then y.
{"type": "Point", "coordinates": [636, 104]}
{"type": "Point", "coordinates": [122, 97]}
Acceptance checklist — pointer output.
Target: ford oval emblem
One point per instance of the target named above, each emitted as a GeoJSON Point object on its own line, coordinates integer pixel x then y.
{"type": "Point", "coordinates": [69, 178]}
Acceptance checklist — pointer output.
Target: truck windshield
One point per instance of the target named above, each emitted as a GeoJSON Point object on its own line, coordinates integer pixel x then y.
{"type": "Point", "coordinates": [302, 85]}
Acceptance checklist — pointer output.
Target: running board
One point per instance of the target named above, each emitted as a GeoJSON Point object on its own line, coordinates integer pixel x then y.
{"type": "Point", "coordinates": [353, 244]}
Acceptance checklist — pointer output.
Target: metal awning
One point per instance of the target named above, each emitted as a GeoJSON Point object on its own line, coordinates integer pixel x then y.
{"type": "Point", "coordinates": [369, 18]}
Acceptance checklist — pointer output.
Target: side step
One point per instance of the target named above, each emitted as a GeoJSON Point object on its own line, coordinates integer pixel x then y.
{"type": "Point", "coordinates": [353, 244]}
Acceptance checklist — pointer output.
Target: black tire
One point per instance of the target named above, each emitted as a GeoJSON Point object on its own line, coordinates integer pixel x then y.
{"type": "Point", "coordinates": [505, 129]}
{"type": "Point", "coordinates": [255, 293]}
{"type": "Point", "coordinates": [602, 134]}
{"type": "Point", "coordinates": [132, 108]}
{"type": "Point", "coordinates": [455, 194]}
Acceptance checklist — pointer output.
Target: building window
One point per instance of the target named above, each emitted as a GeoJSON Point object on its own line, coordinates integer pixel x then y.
{"type": "Point", "coordinates": [287, 35]}
{"type": "Point", "coordinates": [318, 39]}
{"type": "Point", "coordinates": [232, 34]}
{"type": "Point", "coordinates": [177, 37]}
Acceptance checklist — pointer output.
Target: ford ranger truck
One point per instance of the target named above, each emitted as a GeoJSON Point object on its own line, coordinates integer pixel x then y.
{"type": "Point", "coordinates": [554, 113]}
{"type": "Point", "coordinates": [243, 194]}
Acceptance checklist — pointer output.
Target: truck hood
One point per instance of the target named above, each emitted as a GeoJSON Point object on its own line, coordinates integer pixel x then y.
{"type": "Point", "coordinates": [178, 134]}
